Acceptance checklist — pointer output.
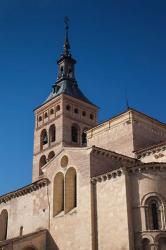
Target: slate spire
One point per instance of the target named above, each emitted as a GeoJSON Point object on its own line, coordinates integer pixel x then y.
{"type": "Point", "coordinates": [66, 42]}
{"type": "Point", "coordinates": [66, 82]}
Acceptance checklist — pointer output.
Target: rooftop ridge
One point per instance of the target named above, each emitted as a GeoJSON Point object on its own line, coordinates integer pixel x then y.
{"type": "Point", "coordinates": [24, 190]}
{"type": "Point", "coordinates": [157, 145]}
{"type": "Point", "coordinates": [125, 112]}
{"type": "Point", "coordinates": [128, 158]}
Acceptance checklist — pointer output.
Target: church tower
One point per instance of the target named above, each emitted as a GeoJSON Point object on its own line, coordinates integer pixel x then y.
{"type": "Point", "coordinates": [62, 120]}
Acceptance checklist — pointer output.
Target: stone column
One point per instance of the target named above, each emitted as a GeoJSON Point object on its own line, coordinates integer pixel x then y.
{"type": "Point", "coordinates": [153, 246]}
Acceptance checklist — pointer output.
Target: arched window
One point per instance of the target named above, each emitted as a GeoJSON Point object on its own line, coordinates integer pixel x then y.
{"type": "Point", "coordinates": [75, 133]}
{"type": "Point", "coordinates": [58, 108]}
{"type": "Point", "coordinates": [42, 162]}
{"type": "Point", "coordinates": [3, 224]}
{"type": "Point", "coordinates": [52, 133]}
{"type": "Point", "coordinates": [153, 213]}
{"type": "Point", "coordinates": [145, 244]}
{"type": "Point", "coordinates": [51, 155]}
{"type": "Point", "coordinates": [84, 137]}
{"type": "Point", "coordinates": [68, 107]}
{"type": "Point", "coordinates": [51, 111]}
{"type": "Point", "coordinates": [45, 115]}
{"type": "Point", "coordinates": [70, 190]}
{"type": "Point", "coordinates": [58, 194]}
{"type": "Point", "coordinates": [43, 138]}
{"type": "Point", "coordinates": [40, 118]}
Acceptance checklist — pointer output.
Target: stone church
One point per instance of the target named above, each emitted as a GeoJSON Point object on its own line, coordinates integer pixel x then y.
{"type": "Point", "coordinates": [94, 186]}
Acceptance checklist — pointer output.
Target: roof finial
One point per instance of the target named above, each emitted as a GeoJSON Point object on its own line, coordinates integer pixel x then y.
{"type": "Point", "coordinates": [66, 43]}
{"type": "Point", "coordinates": [127, 100]}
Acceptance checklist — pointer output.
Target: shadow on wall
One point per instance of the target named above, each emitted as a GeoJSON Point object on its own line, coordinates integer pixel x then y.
{"type": "Point", "coordinates": [51, 245]}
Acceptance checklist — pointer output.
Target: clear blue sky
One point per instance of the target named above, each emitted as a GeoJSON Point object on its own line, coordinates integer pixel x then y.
{"type": "Point", "coordinates": [118, 45]}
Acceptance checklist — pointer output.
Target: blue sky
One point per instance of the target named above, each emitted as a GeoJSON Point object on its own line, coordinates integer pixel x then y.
{"type": "Point", "coordinates": [119, 46]}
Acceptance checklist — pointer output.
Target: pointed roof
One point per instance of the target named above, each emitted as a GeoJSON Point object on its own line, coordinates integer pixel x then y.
{"type": "Point", "coordinates": [69, 88]}
{"type": "Point", "coordinates": [66, 82]}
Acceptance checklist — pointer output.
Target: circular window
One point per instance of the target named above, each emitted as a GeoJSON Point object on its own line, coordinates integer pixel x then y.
{"type": "Point", "coordinates": [64, 161]}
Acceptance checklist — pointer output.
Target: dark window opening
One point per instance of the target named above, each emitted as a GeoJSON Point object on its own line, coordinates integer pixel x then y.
{"type": "Point", "coordinates": [84, 138]}
{"type": "Point", "coordinates": [52, 133]}
{"type": "Point", "coordinates": [40, 118]}
{"type": "Point", "coordinates": [43, 138]}
{"type": "Point", "coordinates": [91, 116]}
{"type": "Point", "coordinates": [45, 115]}
{"type": "Point", "coordinates": [83, 113]}
{"type": "Point", "coordinates": [68, 108]}
{"type": "Point", "coordinates": [42, 162]}
{"type": "Point", "coordinates": [51, 112]}
{"type": "Point", "coordinates": [58, 108]}
{"type": "Point", "coordinates": [74, 134]}
{"type": "Point", "coordinates": [76, 110]}
{"type": "Point", "coordinates": [154, 216]}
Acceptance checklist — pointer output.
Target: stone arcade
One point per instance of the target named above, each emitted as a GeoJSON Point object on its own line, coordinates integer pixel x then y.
{"type": "Point", "coordinates": [95, 186]}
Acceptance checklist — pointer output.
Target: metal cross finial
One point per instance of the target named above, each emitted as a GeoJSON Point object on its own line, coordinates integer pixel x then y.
{"type": "Point", "coordinates": [66, 44]}
{"type": "Point", "coordinates": [66, 21]}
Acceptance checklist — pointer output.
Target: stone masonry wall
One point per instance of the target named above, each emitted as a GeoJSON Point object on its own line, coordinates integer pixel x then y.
{"type": "Point", "coordinates": [73, 229]}
{"type": "Point", "coordinates": [30, 211]}
{"type": "Point", "coordinates": [147, 131]}
{"type": "Point", "coordinates": [115, 135]}
{"type": "Point", "coordinates": [112, 215]}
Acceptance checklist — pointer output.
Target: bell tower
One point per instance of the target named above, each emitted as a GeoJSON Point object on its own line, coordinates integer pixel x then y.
{"type": "Point", "coordinates": [62, 120]}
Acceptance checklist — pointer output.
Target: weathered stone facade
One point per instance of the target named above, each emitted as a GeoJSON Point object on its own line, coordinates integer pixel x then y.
{"type": "Point", "coordinates": [95, 186]}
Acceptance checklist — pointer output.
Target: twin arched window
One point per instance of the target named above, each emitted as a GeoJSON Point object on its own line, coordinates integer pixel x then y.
{"type": "Point", "coordinates": [44, 138]}
{"type": "Point", "coordinates": [75, 134]}
{"type": "Point", "coordinates": [65, 192]}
